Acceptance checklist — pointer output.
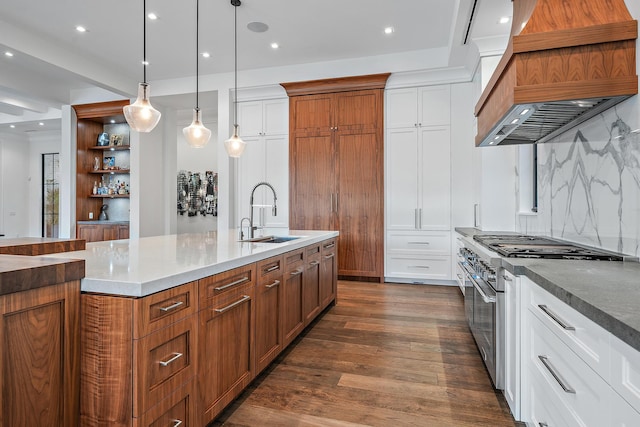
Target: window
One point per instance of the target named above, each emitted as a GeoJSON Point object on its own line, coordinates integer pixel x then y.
{"type": "Point", "coordinates": [50, 194]}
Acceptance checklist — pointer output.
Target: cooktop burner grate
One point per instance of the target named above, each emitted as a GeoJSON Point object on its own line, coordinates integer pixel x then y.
{"type": "Point", "coordinates": [523, 246]}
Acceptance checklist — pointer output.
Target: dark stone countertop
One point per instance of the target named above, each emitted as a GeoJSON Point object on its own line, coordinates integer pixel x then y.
{"type": "Point", "coordinates": [22, 273]}
{"type": "Point", "coordinates": [606, 292]}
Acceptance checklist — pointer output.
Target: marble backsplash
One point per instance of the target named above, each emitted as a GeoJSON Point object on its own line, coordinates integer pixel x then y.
{"type": "Point", "coordinates": [589, 183]}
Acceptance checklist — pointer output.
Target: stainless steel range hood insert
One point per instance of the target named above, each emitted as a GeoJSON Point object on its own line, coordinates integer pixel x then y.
{"type": "Point", "coordinates": [563, 65]}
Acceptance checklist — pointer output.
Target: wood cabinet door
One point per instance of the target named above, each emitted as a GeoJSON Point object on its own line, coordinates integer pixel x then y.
{"type": "Point", "coordinates": [328, 273]}
{"type": "Point", "coordinates": [311, 284]}
{"type": "Point", "coordinates": [402, 108]}
{"type": "Point", "coordinates": [312, 185]}
{"type": "Point", "coordinates": [402, 179]}
{"type": "Point", "coordinates": [89, 233]}
{"type": "Point", "coordinates": [109, 232]}
{"type": "Point", "coordinates": [292, 285]}
{"type": "Point", "coordinates": [39, 331]}
{"type": "Point", "coordinates": [359, 111]}
{"type": "Point", "coordinates": [311, 114]}
{"type": "Point", "coordinates": [434, 105]}
{"type": "Point", "coordinates": [225, 355]}
{"type": "Point", "coordinates": [360, 204]}
{"type": "Point", "coordinates": [123, 232]}
{"type": "Point", "coordinates": [268, 311]}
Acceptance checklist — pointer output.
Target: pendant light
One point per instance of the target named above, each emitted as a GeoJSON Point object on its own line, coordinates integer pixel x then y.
{"type": "Point", "coordinates": [235, 145]}
{"type": "Point", "coordinates": [196, 134]}
{"type": "Point", "coordinates": [141, 115]}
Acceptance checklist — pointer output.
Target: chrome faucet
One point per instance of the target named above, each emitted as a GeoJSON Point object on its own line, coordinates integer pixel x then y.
{"type": "Point", "coordinates": [274, 208]}
{"type": "Point", "coordinates": [241, 222]}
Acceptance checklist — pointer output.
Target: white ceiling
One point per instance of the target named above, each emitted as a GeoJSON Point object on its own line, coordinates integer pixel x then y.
{"type": "Point", "coordinates": [52, 60]}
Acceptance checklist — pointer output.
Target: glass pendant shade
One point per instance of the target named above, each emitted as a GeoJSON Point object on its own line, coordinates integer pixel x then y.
{"type": "Point", "coordinates": [141, 115]}
{"type": "Point", "coordinates": [196, 134]}
{"type": "Point", "coordinates": [235, 145]}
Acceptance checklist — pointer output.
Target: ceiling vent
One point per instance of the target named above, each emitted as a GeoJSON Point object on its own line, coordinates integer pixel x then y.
{"type": "Point", "coordinates": [565, 63]}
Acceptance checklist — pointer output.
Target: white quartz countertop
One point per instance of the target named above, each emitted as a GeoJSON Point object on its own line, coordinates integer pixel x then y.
{"type": "Point", "coordinates": [140, 267]}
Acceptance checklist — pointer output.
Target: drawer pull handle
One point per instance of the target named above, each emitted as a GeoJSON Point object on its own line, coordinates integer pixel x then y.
{"type": "Point", "coordinates": [295, 273]}
{"type": "Point", "coordinates": [329, 246]}
{"type": "Point", "coordinates": [418, 243]}
{"type": "Point", "coordinates": [230, 306]}
{"type": "Point", "coordinates": [270, 269]}
{"type": "Point", "coordinates": [172, 306]}
{"type": "Point", "coordinates": [275, 283]}
{"type": "Point", "coordinates": [419, 266]}
{"type": "Point", "coordinates": [177, 423]}
{"type": "Point", "coordinates": [314, 263]}
{"type": "Point", "coordinates": [237, 282]}
{"type": "Point", "coordinates": [507, 278]}
{"type": "Point", "coordinates": [175, 357]}
{"type": "Point", "coordinates": [547, 364]}
{"type": "Point", "coordinates": [556, 318]}
{"type": "Point", "coordinates": [329, 256]}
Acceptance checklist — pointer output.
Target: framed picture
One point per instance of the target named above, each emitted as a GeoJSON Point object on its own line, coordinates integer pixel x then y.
{"type": "Point", "coordinates": [116, 139]}
{"type": "Point", "coordinates": [109, 162]}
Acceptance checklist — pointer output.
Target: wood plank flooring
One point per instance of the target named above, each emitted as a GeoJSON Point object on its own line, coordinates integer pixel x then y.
{"type": "Point", "coordinates": [384, 355]}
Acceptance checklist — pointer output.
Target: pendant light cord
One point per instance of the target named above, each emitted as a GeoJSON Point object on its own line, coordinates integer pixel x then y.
{"type": "Point", "coordinates": [235, 93]}
{"type": "Point", "coordinates": [197, 52]}
{"type": "Point", "coordinates": [144, 41]}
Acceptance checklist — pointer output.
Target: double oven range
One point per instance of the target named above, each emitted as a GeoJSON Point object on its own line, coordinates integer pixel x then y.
{"type": "Point", "coordinates": [479, 265]}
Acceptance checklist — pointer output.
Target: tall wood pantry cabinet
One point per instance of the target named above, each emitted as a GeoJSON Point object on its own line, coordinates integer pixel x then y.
{"type": "Point", "coordinates": [336, 167]}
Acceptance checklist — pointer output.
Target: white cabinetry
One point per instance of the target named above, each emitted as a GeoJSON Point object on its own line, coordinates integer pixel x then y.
{"type": "Point", "coordinates": [574, 371]}
{"type": "Point", "coordinates": [264, 127]}
{"type": "Point", "coordinates": [512, 342]}
{"type": "Point", "coordinates": [418, 178]}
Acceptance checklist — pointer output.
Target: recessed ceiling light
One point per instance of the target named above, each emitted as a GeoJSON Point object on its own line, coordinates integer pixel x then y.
{"type": "Point", "coordinates": [41, 124]}
{"type": "Point", "coordinates": [389, 30]}
{"type": "Point", "coordinates": [274, 45]}
{"type": "Point", "coordinates": [81, 29]}
{"type": "Point", "coordinates": [206, 54]}
{"type": "Point", "coordinates": [7, 53]}
{"type": "Point", "coordinates": [504, 20]}
{"type": "Point", "coordinates": [152, 16]}
{"type": "Point", "coordinates": [12, 126]}
{"type": "Point", "coordinates": [112, 121]}
{"type": "Point", "coordinates": [257, 27]}
{"type": "Point", "coordinates": [145, 62]}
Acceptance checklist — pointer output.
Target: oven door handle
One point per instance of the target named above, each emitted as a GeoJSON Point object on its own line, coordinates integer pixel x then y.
{"type": "Point", "coordinates": [486, 298]}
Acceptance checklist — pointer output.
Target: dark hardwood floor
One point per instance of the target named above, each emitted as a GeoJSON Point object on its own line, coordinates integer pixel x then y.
{"type": "Point", "coordinates": [384, 355]}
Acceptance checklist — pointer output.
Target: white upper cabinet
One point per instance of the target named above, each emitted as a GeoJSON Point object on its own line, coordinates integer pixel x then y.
{"type": "Point", "coordinates": [270, 117]}
{"type": "Point", "coordinates": [416, 107]}
{"type": "Point", "coordinates": [264, 127]}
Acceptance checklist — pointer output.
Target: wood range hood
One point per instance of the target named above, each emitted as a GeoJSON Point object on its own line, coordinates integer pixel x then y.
{"type": "Point", "coordinates": [566, 61]}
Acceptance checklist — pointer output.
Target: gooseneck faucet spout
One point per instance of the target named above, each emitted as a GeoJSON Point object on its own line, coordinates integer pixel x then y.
{"type": "Point", "coordinates": [274, 207]}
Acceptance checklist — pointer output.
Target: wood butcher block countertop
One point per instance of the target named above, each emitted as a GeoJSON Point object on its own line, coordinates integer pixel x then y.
{"type": "Point", "coordinates": [39, 246]}
{"type": "Point", "coordinates": [22, 273]}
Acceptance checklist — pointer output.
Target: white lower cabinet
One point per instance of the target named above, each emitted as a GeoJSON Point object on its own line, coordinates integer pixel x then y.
{"type": "Point", "coordinates": [573, 372]}
{"type": "Point", "coordinates": [418, 255]}
{"type": "Point", "coordinates": [512, 342]}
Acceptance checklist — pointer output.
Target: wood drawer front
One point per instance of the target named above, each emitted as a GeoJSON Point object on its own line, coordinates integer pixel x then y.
{"type": "Point", "coordinates": [224, 286]}
{"type": "Point", "coordinates": [589, 403]}
{"type": "Point", "coordinates": [164, 360]}
{"type": "Point", "coordinates": [329, 247]}
{"type": "Point", "coordinates": [161, 309]}
{"type": "Point", "coordinates": [293, 259]}
{"type": "Point", "coordinates": [268, 268]}
{"type": "Point", "coordinates": [625, 372]}
{"type": "Point", "coordinates": [436, 243]}
{"type": "Point", "coordinates": [419, 267]}
{"type": "Point", "coordinates": [178, 409]}
{"type": "Point", "coordinates": [313, 251]}
{"type": "Point", "coordinates": [588, 340]}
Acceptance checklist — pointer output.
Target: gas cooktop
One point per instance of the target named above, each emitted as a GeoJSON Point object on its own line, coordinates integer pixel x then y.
{"type": "Point", "coordinates": [524, 246]}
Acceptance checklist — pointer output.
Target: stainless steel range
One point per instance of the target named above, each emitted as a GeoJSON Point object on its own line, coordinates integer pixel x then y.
{"type": "Point", "coordinates": [484, 307]}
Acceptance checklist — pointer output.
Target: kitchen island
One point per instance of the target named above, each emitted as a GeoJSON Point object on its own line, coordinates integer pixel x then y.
{"type": "Point", "coordinates": [175, 327]}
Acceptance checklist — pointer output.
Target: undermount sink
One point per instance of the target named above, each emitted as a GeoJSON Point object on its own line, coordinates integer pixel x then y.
{"type": "Point", "coordinates": [271, 239]}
